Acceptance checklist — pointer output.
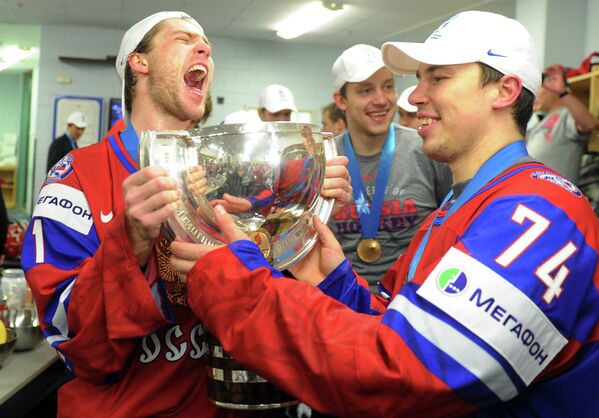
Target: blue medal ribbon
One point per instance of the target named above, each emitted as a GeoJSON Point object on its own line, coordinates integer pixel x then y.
{"type": "Point", "coordinates": [370, 213]}
{"type": "Point", "coordinates": [497, 164]}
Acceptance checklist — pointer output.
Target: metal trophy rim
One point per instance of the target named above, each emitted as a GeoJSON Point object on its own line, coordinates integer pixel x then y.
{"type": "Point", "coordinates": [254, 407]}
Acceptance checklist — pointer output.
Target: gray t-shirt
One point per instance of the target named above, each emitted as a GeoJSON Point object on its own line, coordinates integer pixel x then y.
{"type": "Point", "coordinates": [556, 142]}
{"type": "Point", "coordinates": [416, 187]}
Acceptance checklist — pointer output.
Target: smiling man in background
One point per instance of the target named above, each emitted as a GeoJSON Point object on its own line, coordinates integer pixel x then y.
{"type": "Point", "coordinates": [395, 185]}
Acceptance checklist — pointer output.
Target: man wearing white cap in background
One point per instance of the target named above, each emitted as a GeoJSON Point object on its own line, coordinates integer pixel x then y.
{"type": "Point", "coordinates": [406, 110]}
{"type": "Point", "coordinates": [395, 185]}
{"type": "Point", "coordinates": [62, 145]}
{"type": "Point", "coordinates": [111, 304]}
{"type": "Point", "coordinates": [276, 104]}
{"type": "Point", "coordinates": [492, 310]}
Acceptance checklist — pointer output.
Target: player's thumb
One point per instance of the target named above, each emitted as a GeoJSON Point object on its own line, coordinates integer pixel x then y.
{"type": "Point", "coordinates": [326, 236]}
{"type": "Point", "coordinates": [227, 225]}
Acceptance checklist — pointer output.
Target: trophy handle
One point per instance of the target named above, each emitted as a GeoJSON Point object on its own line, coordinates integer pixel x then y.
{"type": "Point", "coordinates": [330, 152]}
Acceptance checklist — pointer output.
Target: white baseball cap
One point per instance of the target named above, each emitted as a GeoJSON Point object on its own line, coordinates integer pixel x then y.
{"type": "Point", "coordinates": [135, 34]}
{"type": "Point", "coordinates": [275, 98]}
{"type": "Point", "coordinates": [77, 119]}
{"type": "Point", "coordinates": [495, 40]}
{"type": "Point", "coordinates": [403, 100]}
{"type": "Point", "coordinates": [356, 64]}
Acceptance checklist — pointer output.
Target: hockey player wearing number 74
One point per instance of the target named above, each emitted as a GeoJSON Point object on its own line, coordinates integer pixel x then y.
{"type": "Point", "coordinates": [492, 310]}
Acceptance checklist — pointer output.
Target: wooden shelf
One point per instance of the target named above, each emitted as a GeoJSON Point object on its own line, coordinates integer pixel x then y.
{"type": "Point", "coordinates": [586, 88]}
{"type": "Point", "coordinates": [8, 175]}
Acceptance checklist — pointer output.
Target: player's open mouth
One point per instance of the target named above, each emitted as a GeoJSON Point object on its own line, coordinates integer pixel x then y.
{"type": "Point", "coordinates": [195, 76]}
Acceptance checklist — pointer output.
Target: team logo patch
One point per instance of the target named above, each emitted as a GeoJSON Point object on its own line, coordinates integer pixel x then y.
{"type": "Point", "coordinates": [556, 179]}
{"type": "Point", "coordinates": [452, 281]}
{"type": "Point", "coordinates": [61, 169]}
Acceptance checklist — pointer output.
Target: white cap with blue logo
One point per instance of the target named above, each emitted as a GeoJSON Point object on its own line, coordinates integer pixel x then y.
{"type": "Point", "coordinates": [275, 98]}
{"type": "Point", "coordinates": [356, 64]}
{"type": "Point", "coordinates": [473, 36]}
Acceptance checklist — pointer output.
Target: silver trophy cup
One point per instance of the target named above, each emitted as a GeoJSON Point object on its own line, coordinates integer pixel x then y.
{"type": "Point", "coordinates": [269, 177]}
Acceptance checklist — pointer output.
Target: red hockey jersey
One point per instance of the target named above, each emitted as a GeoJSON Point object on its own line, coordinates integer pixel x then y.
{"type": "Point", "coordinates": [500, 319]}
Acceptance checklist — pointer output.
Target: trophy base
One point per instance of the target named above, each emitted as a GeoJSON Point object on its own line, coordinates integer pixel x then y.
{"type": "Point", "coordinates": [232, 386]}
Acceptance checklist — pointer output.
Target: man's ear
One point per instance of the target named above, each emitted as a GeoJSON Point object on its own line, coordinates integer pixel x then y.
{"type": "Point", "coordinates": [138, 63]}
{"type": "Point", "coordinates": [508, 91]}
{"type": "Point", "coordinates": [339, 100]}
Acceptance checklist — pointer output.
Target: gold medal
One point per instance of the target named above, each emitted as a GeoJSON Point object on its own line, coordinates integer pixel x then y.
{"type": "Point", "coordinates": [262, 238]}
{"type": "Point", "coordinates": [369, 250]}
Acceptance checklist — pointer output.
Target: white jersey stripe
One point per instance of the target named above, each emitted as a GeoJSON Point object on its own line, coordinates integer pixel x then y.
{"type": "Point", "coordinates": [463, 350]}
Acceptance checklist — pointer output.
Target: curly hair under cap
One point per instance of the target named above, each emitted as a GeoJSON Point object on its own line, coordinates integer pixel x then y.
{"type": "Point", "coordinates": [145, 45]}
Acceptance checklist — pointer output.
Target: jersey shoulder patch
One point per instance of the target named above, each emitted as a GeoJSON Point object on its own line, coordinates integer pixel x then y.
{"type": "Point", "coordinates": [61, 169]}
{"type": "Point", "coordinates": [557, 180]}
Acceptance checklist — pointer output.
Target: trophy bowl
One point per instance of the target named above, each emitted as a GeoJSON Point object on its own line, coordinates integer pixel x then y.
{"type": "Point", "coordinates": [267, 175]}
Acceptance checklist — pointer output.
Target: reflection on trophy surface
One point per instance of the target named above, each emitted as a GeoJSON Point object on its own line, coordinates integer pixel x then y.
{"type": "Point", "coordinates": [269, 176]}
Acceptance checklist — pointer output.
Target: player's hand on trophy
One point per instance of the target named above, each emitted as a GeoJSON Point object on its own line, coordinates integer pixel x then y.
{"type": "Point", "coordinates": [233, 204]}
{"type": "Point", "coordinates": [196, 180]}
{"type": "Point", "coordinates": [337, 183]}
{"type": "Point", "coordinates": [184, 254]}
{"type": "Point", "coordinates": [322, 260]}
{"type": "Point", "coordinates": [151, 196]}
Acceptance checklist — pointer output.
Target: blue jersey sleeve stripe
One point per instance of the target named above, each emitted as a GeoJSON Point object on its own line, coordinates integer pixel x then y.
{"type": "Point", "coordinates": [451, 356]}
{"type": "Point", "coordinates": [64, 248]}
{"type": "Point", "coordinates": [251, 257]}
{"type": "Point", "coordinates": [117, 151]}
{"type": "Point", "coordinates": [341, 284]}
